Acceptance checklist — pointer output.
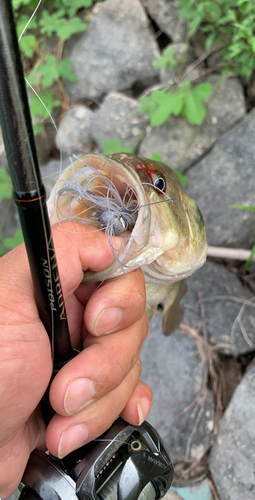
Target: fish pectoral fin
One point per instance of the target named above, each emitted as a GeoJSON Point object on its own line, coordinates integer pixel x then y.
{"type": "Point", "coordinates": [172, 313]}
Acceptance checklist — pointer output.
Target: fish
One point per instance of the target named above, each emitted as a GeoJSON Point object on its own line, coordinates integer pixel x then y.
{"type": "Point", "coordinates": [163, 230]}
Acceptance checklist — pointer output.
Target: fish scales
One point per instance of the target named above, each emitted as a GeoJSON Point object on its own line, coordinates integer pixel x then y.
{"type": "Point", "coordinates": [163, 229]}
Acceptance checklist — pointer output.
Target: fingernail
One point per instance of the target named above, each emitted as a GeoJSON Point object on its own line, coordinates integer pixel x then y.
{"type": "Point", "coordinates": [143, 407]}
{"type": "Point", "coordinates": [108, 320]}
{"type": "Point", "coordinates": [71, 439]}
{"type": "Point", "coordinates": [78, 394]}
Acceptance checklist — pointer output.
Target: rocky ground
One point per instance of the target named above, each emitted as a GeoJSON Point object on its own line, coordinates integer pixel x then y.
{"type": "Point", "coordinates": [202, 376]}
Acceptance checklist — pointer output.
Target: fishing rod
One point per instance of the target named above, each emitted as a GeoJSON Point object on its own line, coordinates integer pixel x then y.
{"type": "Point", "coordinates": [127, 462]}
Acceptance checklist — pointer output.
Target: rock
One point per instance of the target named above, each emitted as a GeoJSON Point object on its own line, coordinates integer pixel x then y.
{"type": "Point", "coordinates": [51, 171]}
{"type": "Point", "coordinates": [74, 131]}
{"type": "Point", "coordinates": [180, 143]}
{"type": "Point", "coordinates": [174, 370]}
{"type": "Point", "coordinates": [232, 458]}
{"type": "Point", "coordinates": [226, 176]}
{"type": "Point", "coordinates": [165, 13]}
{"type": "Point", "coordinates": [119, 117]}
{"type": "Point", "coordinates": [215, 282]}
{"type": "Point", "coordinates": [183, 56]}
{"type": "Point", "coordinates": [116, 51]}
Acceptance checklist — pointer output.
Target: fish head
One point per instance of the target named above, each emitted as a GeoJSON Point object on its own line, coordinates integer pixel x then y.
{"type": "Point", "coordinates": [177, 225]}
{"type": "Point", "coordinates": [168, 236]}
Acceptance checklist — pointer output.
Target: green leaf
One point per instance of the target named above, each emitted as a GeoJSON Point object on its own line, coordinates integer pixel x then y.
{"type": "Point", "coordinates": [165, 107]}
{"type": "Point", "coordinates": [15, 241]}
{"type": "Point", "coordinates": [23, 21]}
{"type": "Point", "coordinates": [48, 70]}
{"type": "Point", "coordinates": [193, 110]}
{"type": "Point", "coordinates": [71, 8]}
{"type": "Point", "coordinates": [156, 156]}
{"type": "Point", "coordinates": [19, 3]}
{"type": "Point", "coordinates": [115, 146]}
{"type": "Point", "coordinates": [38, 109]}
{"type": "Point", "coordinates": [28, 44]}
{"type": "Point", "coordinates": [48, 21]}
{"type": "Point", "coordinates": [166, 60]}
{"type": "Point", "coordinates": [246, 208]}
{"type": "Point", "coordinates": [5, 185]}
{"type": "Point", "coordinates": [182, 177]}
{"type": "Point", "coordinates": [63, 27]}
{"type": "Point", "coordinates": [249, 260]}
{"type": "Point", "coordinates": [202, 90]}
{"type": "Point", "coordinates": [64, 70]}
{"type": "Point", "coordinates": [37, 127]}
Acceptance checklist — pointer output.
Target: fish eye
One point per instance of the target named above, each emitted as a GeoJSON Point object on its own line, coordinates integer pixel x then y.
{"type": "Point", "coordinates": [159, 182]}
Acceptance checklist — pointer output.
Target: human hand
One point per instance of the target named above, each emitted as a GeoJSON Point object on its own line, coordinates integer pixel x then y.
{"type": "Point", "coordinates": [96, 386]}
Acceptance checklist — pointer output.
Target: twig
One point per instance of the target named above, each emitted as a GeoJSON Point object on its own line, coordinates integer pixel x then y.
{"type": "Point", "coordinates": [239, 321]}
{"type": "Point", "coordinates": [200, 59]}
{"type": "Point", "coordinates": [229, 253]}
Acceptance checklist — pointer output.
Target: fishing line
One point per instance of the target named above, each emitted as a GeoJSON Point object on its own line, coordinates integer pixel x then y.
{"type": "Point", "coordinates": [29, 21]}
{"type": "Point", "coordinates": [37, 95]}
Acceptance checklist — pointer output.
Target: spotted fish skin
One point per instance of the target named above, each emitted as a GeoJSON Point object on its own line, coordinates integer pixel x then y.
{"type": "Point", "coordinates": [168, 238]}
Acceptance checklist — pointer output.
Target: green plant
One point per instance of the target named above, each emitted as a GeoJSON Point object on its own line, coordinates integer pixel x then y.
{"type": "Point", "coordinates": [187, 101]}
{"type": "Point", "coordinates": [246, 208]}
{"type": "Point", "coordinates": [43, 69]}
{"type": "Point", "coordinates": [115, 146]}
{"type": "Point", "coordinates": [166, 60]}
{"type": "Point", "coordinates": [6, 194]}
{"type": "Point", "coordinates": [229, 23]}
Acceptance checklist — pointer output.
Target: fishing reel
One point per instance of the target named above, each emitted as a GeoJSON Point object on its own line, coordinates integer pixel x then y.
{"type": "Point", "coordinates": [126, 463]}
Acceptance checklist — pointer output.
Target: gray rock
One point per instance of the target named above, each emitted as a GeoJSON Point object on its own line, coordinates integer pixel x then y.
{"type": "Point", "coordinates": [232, 459]}
{"type": "Point", "coordinates": [216, 284]}
{"type": "Point", "coordinates": [165, 13]}
{"type": "Point", "coordinates": [74, 131]}
{"type": "Point", "coordinates": [174, 370]}
{"type": "Point", "coordinates": [183, 57]}
{"type": "Point", "coordinates": [119, 117]}
{"type": "Point", "coordinates": [116, 51]}
{"type": "Point", "coordinates": [51, 171]}
{"type": "Point", "coordinates": [226, 176]}
{"type": "Point", "coordinates": [180, 143]}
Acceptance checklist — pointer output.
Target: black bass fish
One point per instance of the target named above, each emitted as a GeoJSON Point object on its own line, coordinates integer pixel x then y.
{"type": "Point", "coordinates": [163, 229]}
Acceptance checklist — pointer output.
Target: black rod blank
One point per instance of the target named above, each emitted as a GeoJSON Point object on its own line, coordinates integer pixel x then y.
{"type": "Point", "coordinates": [29, 192]}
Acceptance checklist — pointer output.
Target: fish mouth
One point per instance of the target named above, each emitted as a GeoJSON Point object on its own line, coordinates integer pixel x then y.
{"type": "Point", "coordinates": [99, 191]}
{"type": "Point", "coordinates": [154, 273]}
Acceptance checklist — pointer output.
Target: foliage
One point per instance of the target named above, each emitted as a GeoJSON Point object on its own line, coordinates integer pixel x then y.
{"type": "Point", "coordinates": [166, 60]}
{"type": "Point", "coordinates": [187, 101]}
{"type": "Point", "coordinates": [115, 146]}
{"type": "Point", "coordinates": [249, 260]}
{"type": "Point", "coordinates": [246, 208]}
{"type": "Point", "coordinates": [6, 193]}
{"type": "Point", "coordinates": [230, 23]}
{"type": "Point", "coordinates": [15, 240]}
{"type": "Point", "coordinates": [44, 71]}
{"type": "Point", "coordinates": [5, 185]}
